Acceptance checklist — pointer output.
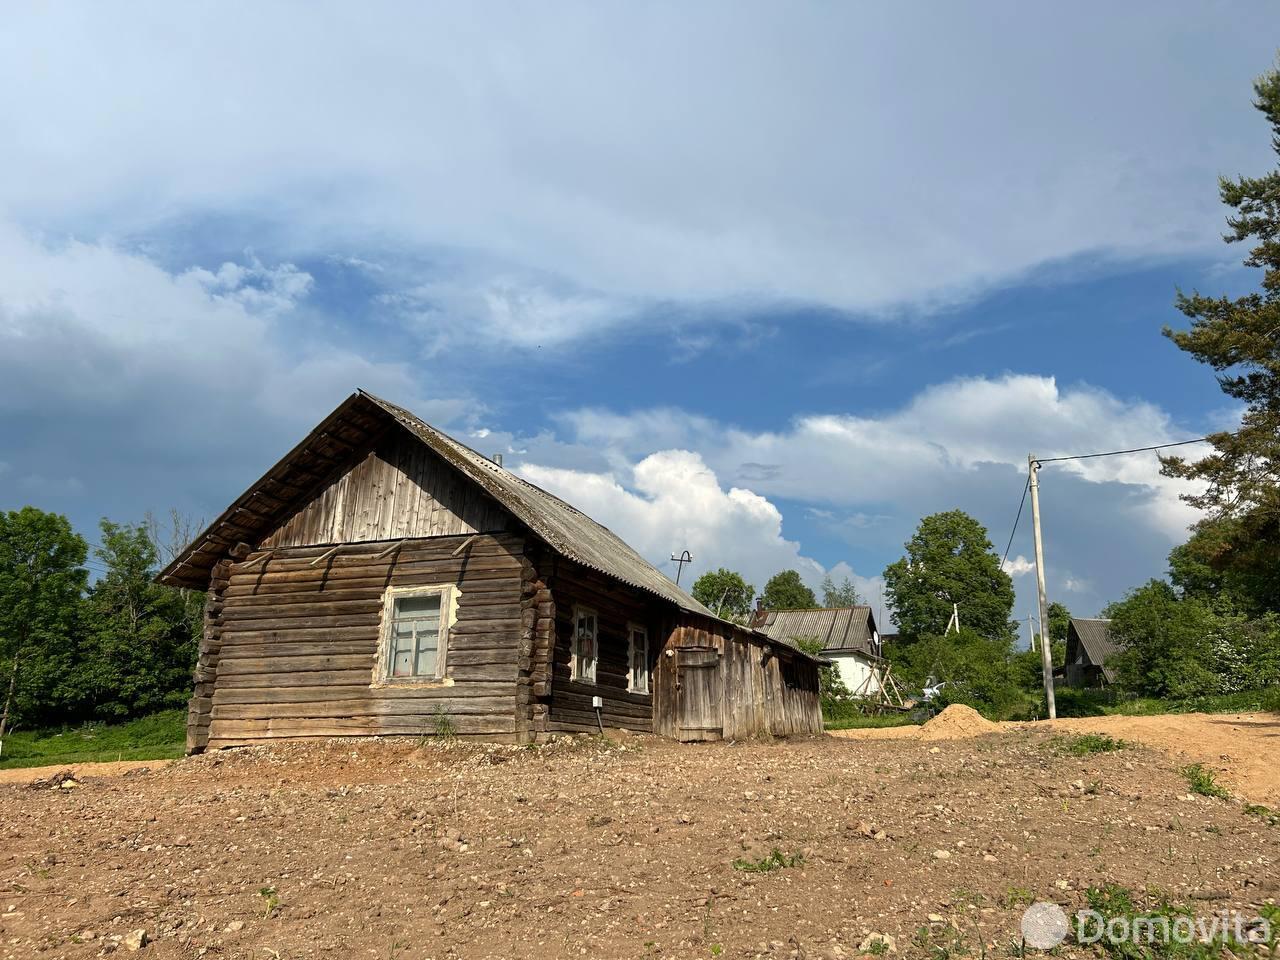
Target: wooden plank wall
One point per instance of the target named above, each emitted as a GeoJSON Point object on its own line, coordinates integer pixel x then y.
{"type": "Point", "coordinates": [400, 488]}
{"type": "Point", "coordinates": [765, 690]}
{"type": "Point", "coordinates": [299, 642]}
{"type": "Point", "coordinates": [569, 705]}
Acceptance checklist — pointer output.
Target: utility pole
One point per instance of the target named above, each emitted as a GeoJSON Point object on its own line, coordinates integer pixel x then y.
{"type": "Point", "coordinates": [1031, 635]}
{"type": "Point", "coordinates": [1046, 655]}
{"type": "Point", "coordinates": [680, 561]}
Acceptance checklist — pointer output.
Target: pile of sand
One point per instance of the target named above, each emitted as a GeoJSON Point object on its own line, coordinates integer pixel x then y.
{"type": "Point", "coordinates": [956, 723]}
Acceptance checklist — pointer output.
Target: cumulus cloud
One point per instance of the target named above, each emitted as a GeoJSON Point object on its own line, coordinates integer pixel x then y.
{"type": "Point", "coordinates": [1019, 566]}
{"type": "Point", "coordinates": [867, 480]}
{"type": "Point", "coordinates": [672, 501]}
{"type": "Point", "coordinates": [946, 430]}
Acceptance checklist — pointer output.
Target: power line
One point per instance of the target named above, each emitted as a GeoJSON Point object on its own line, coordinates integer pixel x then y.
{"type": "Point", "coordinates": [1116, 453]}
{"type": "Point", "coordinates": [1021, 503]}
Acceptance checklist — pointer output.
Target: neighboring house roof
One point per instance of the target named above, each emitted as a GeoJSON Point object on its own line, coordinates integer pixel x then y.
{"type": "Point", "coordinates": [568, 531]}
{"type": "Point", "coordinates": [841, 629]}
{"type": "Point", "coordinates": [1089, 642]}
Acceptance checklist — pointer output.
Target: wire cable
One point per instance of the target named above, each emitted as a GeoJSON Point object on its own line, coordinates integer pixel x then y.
{"type": "Point", "coordinates": [1116, 453]}
{"type": "Point", "coordinates": [1021, 503]}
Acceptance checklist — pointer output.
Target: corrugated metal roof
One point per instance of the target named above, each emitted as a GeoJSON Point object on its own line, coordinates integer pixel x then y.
{"type": "Point", "coordinates": [566, 529]}
{"type": "Point", "coordinates": [1094, 637]}
{"type": "Point", "coordinates": [839, 629]}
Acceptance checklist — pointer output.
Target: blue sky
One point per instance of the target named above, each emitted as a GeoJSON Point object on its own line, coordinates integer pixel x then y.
{"type": "Point", "coordinates": [769, 282]}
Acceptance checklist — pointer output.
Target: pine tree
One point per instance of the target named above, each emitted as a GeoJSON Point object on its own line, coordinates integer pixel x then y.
{"type": "Point", "coordinates": [1240, 339]}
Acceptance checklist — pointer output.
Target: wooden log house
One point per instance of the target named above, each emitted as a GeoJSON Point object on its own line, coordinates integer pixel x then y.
{"type": "Point", "coordinates": [385, 579]}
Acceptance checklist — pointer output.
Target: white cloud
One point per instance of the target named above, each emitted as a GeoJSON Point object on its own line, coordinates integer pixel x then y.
{"type": "Point", "coordinates": [946, 430]}
{"type": "Point", "coordinates": [868, 160]}
{"type": "Point", "coordinates": [117, 369]}
{"type": "Point", "coordinates": [1019, 566]}
{"type": "Point", "coordinates": [867, 480]}
{"type": "Point", "coordinates": [672, 501]}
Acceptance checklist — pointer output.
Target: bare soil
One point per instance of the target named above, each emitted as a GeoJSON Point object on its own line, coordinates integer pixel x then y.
{"type": "Point", "coordinates": [1241, 748]}
{"type": "Point", "coordinates": [631, 848]}
{"type": "Point", "coordinates": [80, 770]}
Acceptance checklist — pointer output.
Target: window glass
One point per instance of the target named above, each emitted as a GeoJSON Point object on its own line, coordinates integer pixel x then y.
{"type": "Point", "coordinates": [414, 642]}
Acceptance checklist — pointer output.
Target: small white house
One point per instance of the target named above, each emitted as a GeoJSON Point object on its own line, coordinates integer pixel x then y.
{"type": "Point", "coordinates": [849, 639]}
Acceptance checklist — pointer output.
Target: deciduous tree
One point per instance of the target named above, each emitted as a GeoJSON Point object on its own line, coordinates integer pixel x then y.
{"type": "Point", "coordinates": [724, 592]}
{"type": "Point", "coordinates": [949, 561]}
{"type": "Point", "coordinates": [786, 591]}
{"type": "Point", "coordinates": [42, 579]}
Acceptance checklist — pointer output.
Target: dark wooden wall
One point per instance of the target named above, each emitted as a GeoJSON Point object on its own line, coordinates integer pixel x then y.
{"type": "Point", "coordinates": [569, 704]}
{"type": "Point", "coordinates": [400, 488]}
{"type": "Point", "coordinates": [297, 643]}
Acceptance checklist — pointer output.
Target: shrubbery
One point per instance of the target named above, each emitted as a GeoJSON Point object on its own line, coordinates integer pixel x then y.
{"type": "Point", "coordinates": [121, 647]}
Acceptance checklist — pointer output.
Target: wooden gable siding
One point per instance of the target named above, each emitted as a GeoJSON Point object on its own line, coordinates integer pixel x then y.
{"type": "Point", "coordinates": [616, 605]}
{"type": "Point", "coordinates": [296, 643]}
{"type": "Point", "coordinates": [400, 488]}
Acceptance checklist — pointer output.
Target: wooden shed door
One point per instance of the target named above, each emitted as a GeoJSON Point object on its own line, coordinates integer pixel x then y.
{"type": "Point", "coordinates": [698, 693]}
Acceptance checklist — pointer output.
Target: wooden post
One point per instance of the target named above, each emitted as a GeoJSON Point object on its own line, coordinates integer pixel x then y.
{"type": "Point", "coordinates": [1046, 654]}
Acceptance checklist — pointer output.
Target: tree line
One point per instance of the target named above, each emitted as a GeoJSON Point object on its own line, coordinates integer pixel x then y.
{"type": "Point", "coordinates": [74, 650]}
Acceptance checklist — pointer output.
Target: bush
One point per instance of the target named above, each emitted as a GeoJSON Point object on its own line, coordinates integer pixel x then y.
{"type": "Point", "coordinates": [979, 671]}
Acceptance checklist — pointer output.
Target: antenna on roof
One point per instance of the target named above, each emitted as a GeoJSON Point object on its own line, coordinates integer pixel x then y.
{"type": "Point", "coordinates": [680, 561]}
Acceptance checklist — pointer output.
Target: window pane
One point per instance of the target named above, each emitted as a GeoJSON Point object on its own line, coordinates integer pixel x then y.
{"type": "Point", "coordinates": [415, 636]}
{"type": "Point", "coordinates": [427, 661]}
{"type": "Point", "coordinates": [402, 662]}
{"type": "Point", "coordinates": [418, 606]}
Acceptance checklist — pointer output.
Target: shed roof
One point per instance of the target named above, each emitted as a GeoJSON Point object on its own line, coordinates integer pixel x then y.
{"type": "Point", "coordinates": [1093, 637]}
{"type": "Point", "coordinates": [841, 629]}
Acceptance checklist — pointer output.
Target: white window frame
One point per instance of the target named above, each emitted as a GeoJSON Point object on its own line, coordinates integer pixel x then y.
{"type": "Point", "coordinates": [449, 595]}
{"type": "Point", "coordinates": [632, 630]}
{"type": "Point", "coordinates": [582, 670]}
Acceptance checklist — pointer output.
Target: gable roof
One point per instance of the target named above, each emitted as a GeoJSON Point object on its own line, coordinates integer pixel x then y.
{"type": "Point", "coordinates": [361, 416]}
{"type": "Point", "coordinates": [1093, 637]}
{"type": "Point", "coordinates": [841, 629]}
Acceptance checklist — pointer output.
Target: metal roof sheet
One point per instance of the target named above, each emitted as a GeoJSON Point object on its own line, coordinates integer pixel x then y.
{"type": "Point", "coordinates": [839, 628]}
{"type": "Point", "coordinates": [566, 529]}
{"type": "Point", "coordinates": [1094, 636]}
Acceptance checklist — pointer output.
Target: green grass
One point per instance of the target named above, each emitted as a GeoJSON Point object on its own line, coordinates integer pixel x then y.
{"type": "Point", "coordinates": [776, 860]}
{"type": "Point", "coordinates": [1263, 813]}
{"type": "Point", "coordinates": [1088, 743]}
{"type": "Point", "coordinates": [1204, 782]}
{"type": "Point", "coordinates": [1115, 902]}
{"type": "Point", "coordinates": [159, 736]}
{"type": "Point", "coordinates": [1088, 703]}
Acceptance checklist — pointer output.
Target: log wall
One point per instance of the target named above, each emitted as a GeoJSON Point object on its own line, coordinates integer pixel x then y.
{"type": "Point", "coordinates": [399, 488]}
{"type": "Point", "coordinates": [569, 702]}
{"type": "Point", "coordinates": [298, 642]}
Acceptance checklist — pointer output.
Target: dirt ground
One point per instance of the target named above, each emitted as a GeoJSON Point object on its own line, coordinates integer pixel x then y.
{"type": "Point", "coordinates": [634, 848]}
{"type": "Point", "coordinates": [105, 769]}
{"type": "Point", "coordinates": [1240, 747]}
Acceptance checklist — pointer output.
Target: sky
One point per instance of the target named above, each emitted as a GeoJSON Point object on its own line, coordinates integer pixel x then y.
{"type": "Point", "coordinates": [767, 282]}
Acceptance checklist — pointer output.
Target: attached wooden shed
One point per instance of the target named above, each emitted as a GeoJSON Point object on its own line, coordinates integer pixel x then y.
{"type": "Point", "coordinates": [385, 579]}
